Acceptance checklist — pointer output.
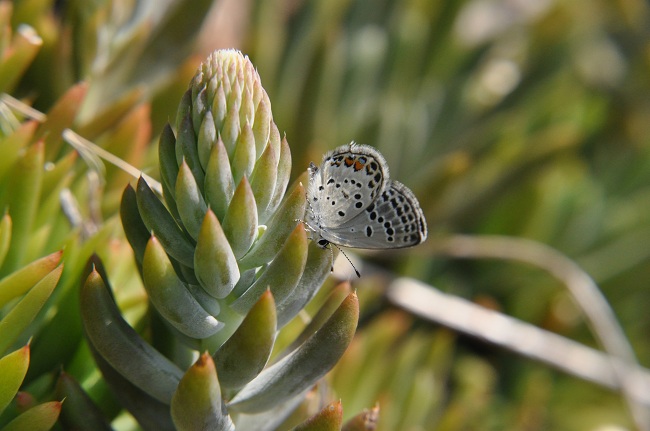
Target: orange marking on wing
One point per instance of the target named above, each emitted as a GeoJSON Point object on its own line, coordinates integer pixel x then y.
{"type": "Point", "coordinates": [358, 166]}
{"type": "Point", "coordinates": [349, 161]}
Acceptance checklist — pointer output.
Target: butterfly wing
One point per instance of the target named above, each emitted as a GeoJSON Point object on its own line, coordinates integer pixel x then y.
{"type": "Point", "coordinates": [393, 220]}
{"type": "Point", "coordinates": [349, 179]}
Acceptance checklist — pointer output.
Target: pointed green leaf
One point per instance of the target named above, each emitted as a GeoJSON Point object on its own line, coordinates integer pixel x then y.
{"type": "Point", "coordinates": [197, 403]}
{"type": "Point", "coordinates": [79, 411]}
{"type": "Point", "coordinates": [150, 413]}
{"type": "Point", "coordinates": [240, 222]}
{"type": "Point", "coordinates": [121, 347]}
{"type": "Point", "coordinates": [304, 366]}
{"type": "Point", "coordinates": [219, 183]}
{"type": "Point", "coordinates": [230, 130]}
{"type": "Point", "coordinates": [39, 418]}
{"type": "Point", "coordinates": [282, 180]}
{"type": "Point", "coordinates": [279, 228]}
{"type": "Point", "coordinates": [189, 200]}
{"type": "Point", "coordinates": [317, 269]}
{"type": "Point", "coordinates": [282, 275]}
{"type": "Point", "coordinates": [207, 139]}
{"type": "Point", "coordinates": [167, 158]}
{"type": "Point", "coordinates": [263, 179]}
{"type": "Point", "coordinates": [134, 228]}
{"type": "Point", "coordinates": [158, 220]}
{"type": "Point", "coordinates": [246, 352]}
{"type": "Point", "coordinates": [13, 368]}
{"type": "Point", "coordinates": [243, 159]}
{"type": "Point", "coordinates": [24, 312]}
{"type": "Point", "coordinates": [186, 140]}
{"type": "Point", "coordinates": [331, 304]}
{"type": "Point", "coordinates": [19, 282]}
{"type": "Point", "coordinates": [214, 262]}
{"type": "Point", "coordinates": [171, 297]}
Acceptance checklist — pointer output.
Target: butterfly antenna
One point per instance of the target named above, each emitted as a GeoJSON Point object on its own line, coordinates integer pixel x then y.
{"type": "Point", "coordinates": [346, 256]}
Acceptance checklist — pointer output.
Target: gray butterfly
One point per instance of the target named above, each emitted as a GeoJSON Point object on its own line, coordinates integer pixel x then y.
{"type": "Point", "coordinates": [351, 202]}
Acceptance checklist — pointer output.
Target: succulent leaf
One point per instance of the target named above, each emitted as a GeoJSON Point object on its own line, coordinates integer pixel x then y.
{"type": "Point", "coordinates": [189, 200]}
{"type": "Point", "coordinates": [282, 275]}
{"type": "Point", "coordinates": [214, 262]}
{"type": "Point", "coordinates": [240, 222]}
{"type": "Point", "coordinates": [20, 281]}
{"type": "Point", "coordinates": [171, 297]}
{"type": "Point", "coordinates": [121, 346]}
{"type": "Point", "coordinates": [197, 403]}
{"type": "Point", "coordinates": [304, 366]}
{"type": "Point", "coordinates": [24, 312]}
{"type": "Point", "coordinates": [158, 220]}
{"type": "Point", "coordinates": [13, 368]}
{"type": "Point", "coordinates": [39, 418]}
{"type": "Point", "coordinates": [246, 352]}
{"type": "Point", "coordinates": [78, 411]}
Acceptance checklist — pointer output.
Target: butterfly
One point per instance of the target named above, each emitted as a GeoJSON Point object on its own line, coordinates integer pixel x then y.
{"type": "Point", "coordinates": [352, 202]}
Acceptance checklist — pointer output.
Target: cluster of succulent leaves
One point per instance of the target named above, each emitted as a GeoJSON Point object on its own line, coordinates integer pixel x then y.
{"type": "Point", "coordinates": [219, 248]}
{"type": "Point", "coordinates": [535, 126]}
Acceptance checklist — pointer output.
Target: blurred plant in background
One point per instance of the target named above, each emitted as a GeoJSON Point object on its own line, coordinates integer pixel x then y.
{"type": "Point", "coordinates": [526, 119]}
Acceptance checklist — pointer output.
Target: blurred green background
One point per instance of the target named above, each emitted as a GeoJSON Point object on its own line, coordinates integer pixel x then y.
{"type": "Point", "coordinates": [527, 118]}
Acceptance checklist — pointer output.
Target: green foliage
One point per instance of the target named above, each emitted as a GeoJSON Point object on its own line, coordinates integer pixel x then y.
{"type": "Point", "coordinates": [527, 120]}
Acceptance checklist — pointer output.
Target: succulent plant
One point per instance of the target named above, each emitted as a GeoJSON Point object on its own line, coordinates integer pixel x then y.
{"type": "Point", "coordinates": [225, 262]}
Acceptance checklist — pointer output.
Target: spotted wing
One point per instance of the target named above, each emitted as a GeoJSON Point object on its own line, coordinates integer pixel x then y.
{"type": "Point", "coordinates": [393, 220]}
{"type": "Point", "coordinates": [351, 178]}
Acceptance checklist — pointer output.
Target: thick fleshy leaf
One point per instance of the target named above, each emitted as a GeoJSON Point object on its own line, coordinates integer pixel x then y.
{"type": "Point", "coordinates": [197, 403]}
{"type": "Point", "coordinates": [304, 366]}
{"type": "Point", "coordinates": [150, 413]}
{"type": "Point", "coordinates": [230, 129]}
{"type": "Point", "coordinates": [328, 419]}
{"type": "Point", "coordinates": [189, 200]}
{"type": "Point", "coordinates": [39, 418]}
{"type": "Point", "coordinates": [243, 159]}
{"type": "Point", "coordinates": [20, 281]}
{"type": "Point", "coordinates": [158, 220]}
{"type": "Point", "coordinates": [262, 124]}
{"type": "Point", "coordinates": [134, 228]}
{"type": "Point", "coordinates": [171, 297]}
{"type": "Point", "coordinates": [219, 184]}
{"type": "Point", "coordinates": [263, 178]}
{"type": "Point", "coordinates": [24, 312]}
{"type": "Point", "coordinates": [121, 346]}
{"type": "Point", "coordinates": [280, 227]}
{"type": "Point", "coordinates": [214, 262]}
{"type": "Point", "coordinates": [207, 139]}
{"type": "Point", "coordinates": [282, 275]}
{"type": "Point", "coordinates": [13, 368]}
{"type": "Point", "coordinates": [331, 304]}
{"type": "Point", "coordinates": [79, 411]}
{"type": "Point", "coordinates": [240, 222]}
{"type": "Point", "coordinates": [24, 46]}
{"type": "Point", "coordinates": [186, 140]}
{"type": "Point", "coordinates": [246, 352]}
{"type": "Point", "coordinates": [167, 159]}
{"type": "Point", "coordinates": [282, 180]}
{"type": "Point", "coordinates": [317, 269]}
